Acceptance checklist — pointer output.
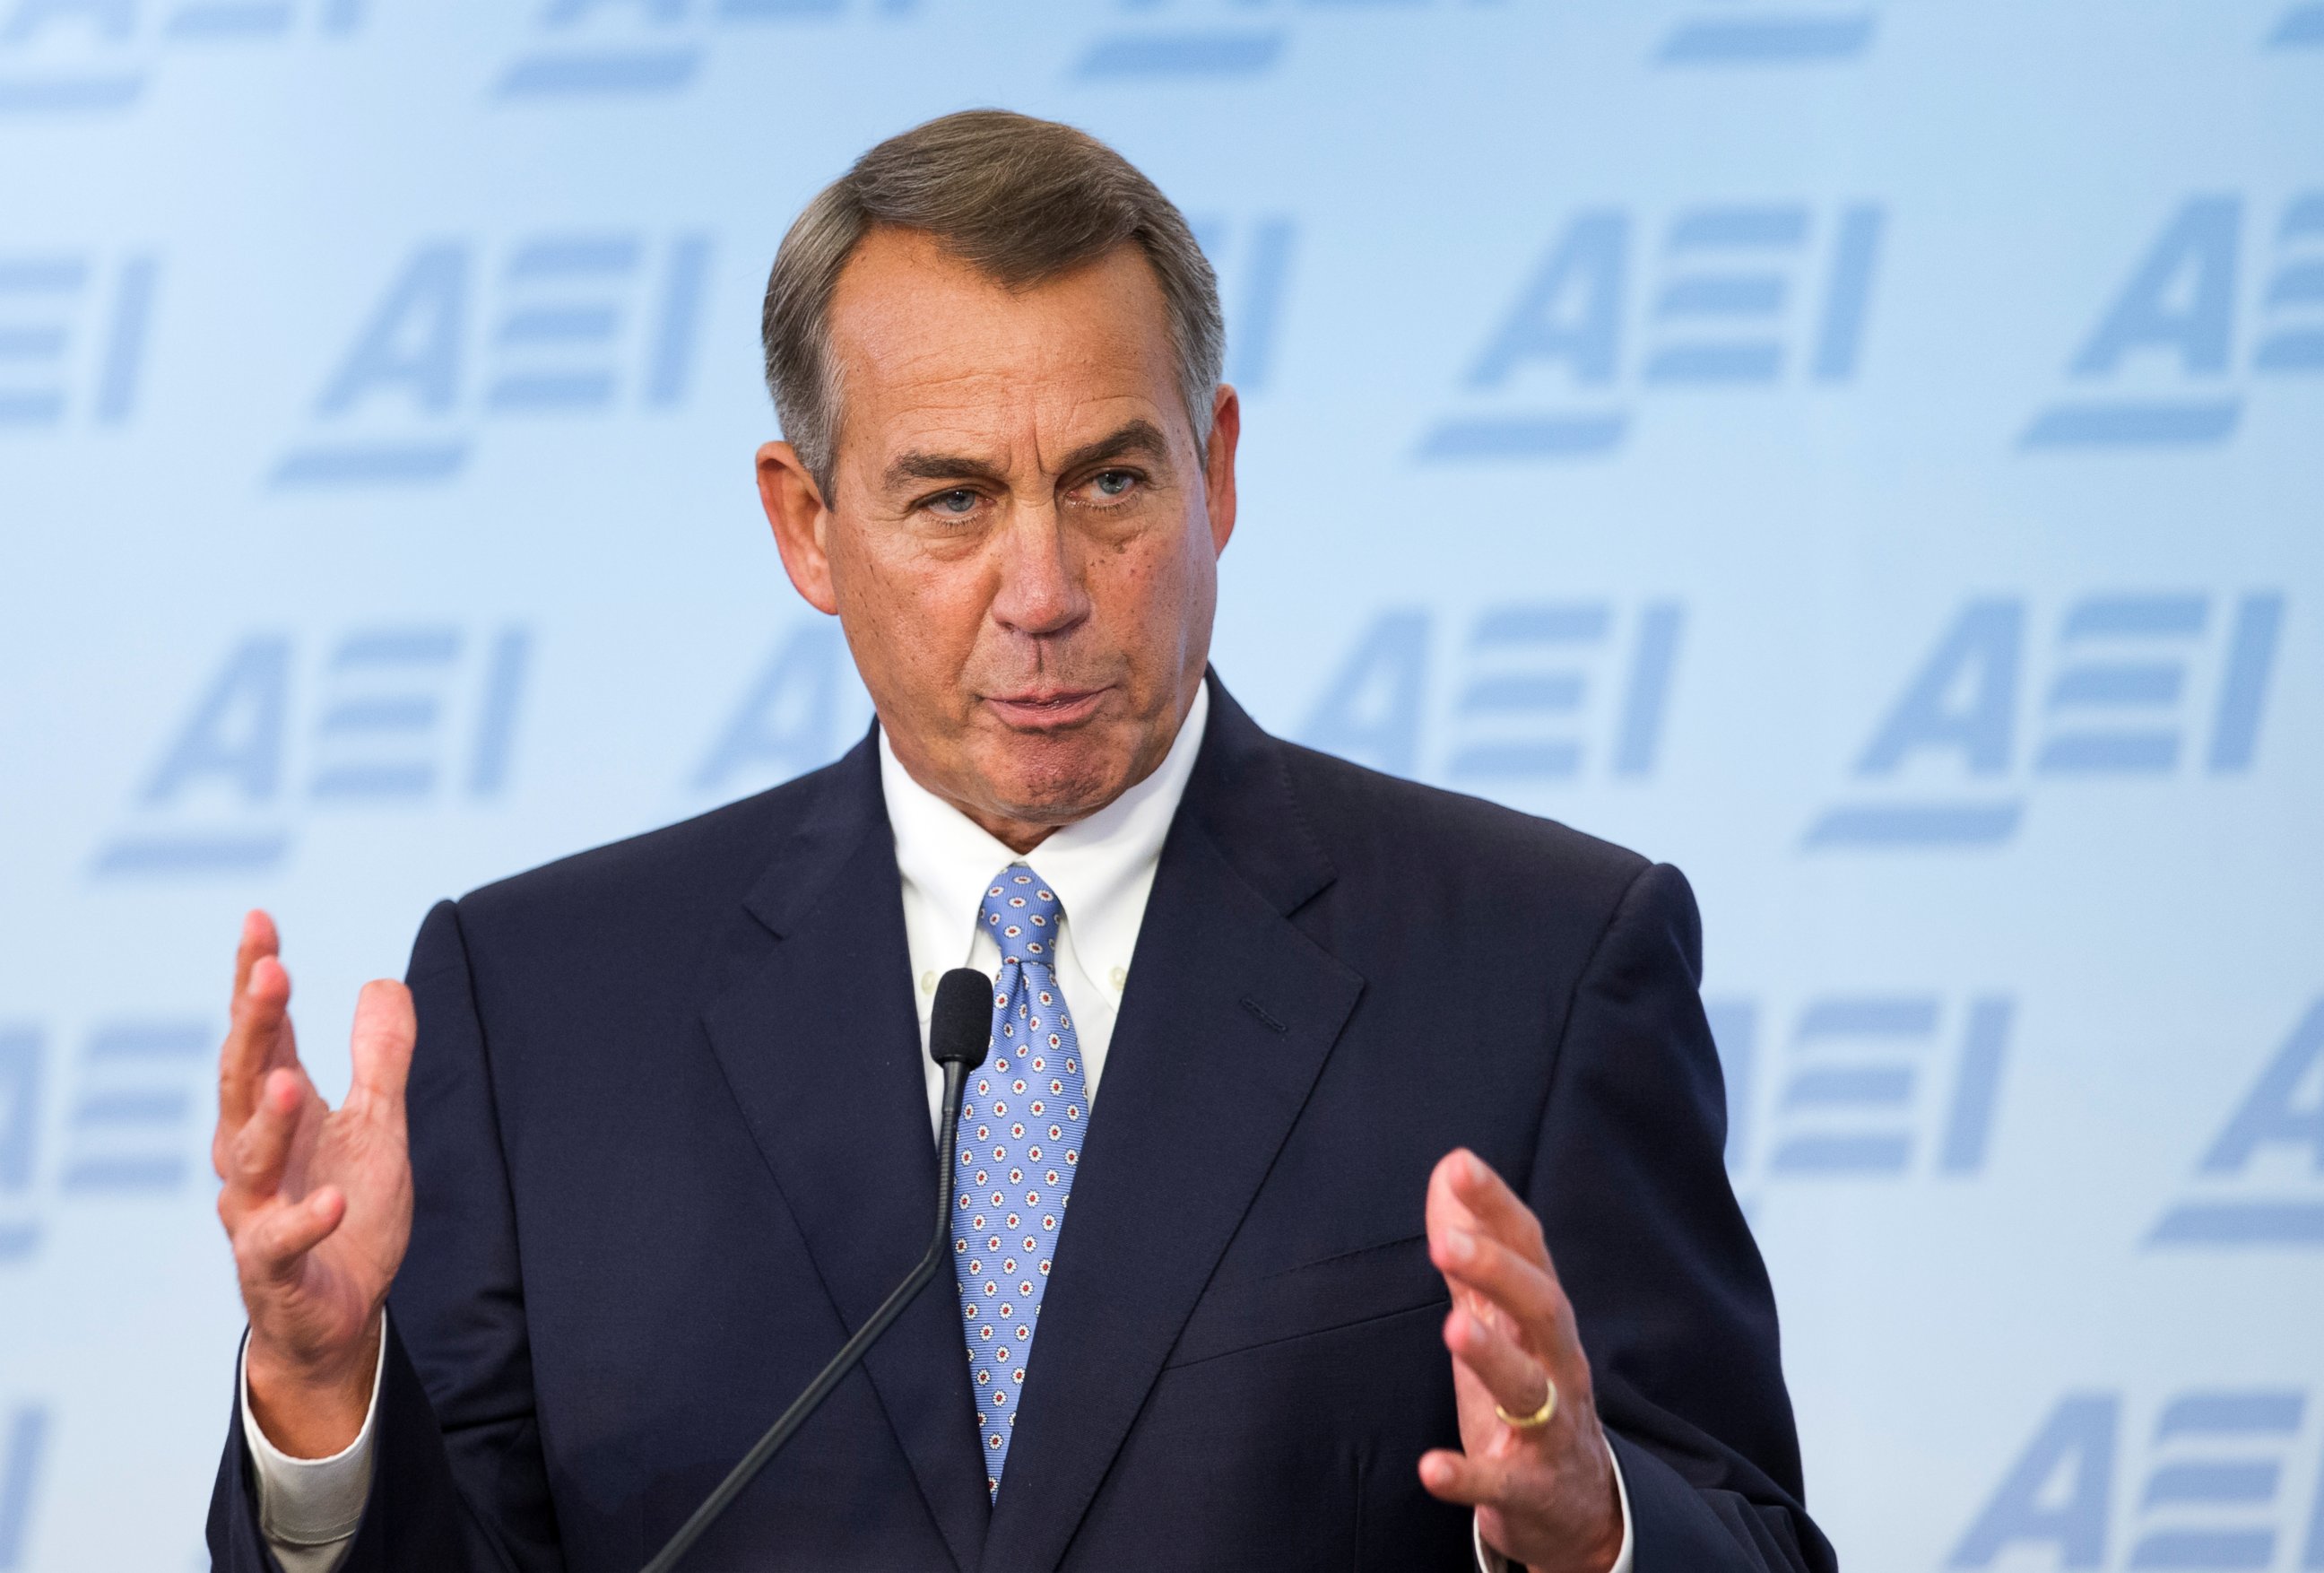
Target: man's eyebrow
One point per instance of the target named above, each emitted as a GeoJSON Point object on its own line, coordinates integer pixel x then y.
{"type": "Point", "coordinates": [919, 466]}
{"type": "Point", "coordinates": [1134, 437]}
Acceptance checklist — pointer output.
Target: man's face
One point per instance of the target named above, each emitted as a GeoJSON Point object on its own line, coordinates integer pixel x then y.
{"type": "Point", "coordinates": [1022, 537]}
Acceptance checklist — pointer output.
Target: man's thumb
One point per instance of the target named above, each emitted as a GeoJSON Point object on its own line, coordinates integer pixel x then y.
{"type": "Point", "coordinates": [381, 1045]}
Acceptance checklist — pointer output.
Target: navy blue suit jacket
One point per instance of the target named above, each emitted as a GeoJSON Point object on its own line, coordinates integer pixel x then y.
{"type": "Point", "coordinates": [670, 1143]}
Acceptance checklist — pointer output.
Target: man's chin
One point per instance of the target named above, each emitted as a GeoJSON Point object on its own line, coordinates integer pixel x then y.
{"type": "Point", "coordinates": [1052, 780]}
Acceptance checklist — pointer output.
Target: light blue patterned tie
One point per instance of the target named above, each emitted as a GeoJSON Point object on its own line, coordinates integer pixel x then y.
{"type": "Point", "coordinates": [1020, 1136]}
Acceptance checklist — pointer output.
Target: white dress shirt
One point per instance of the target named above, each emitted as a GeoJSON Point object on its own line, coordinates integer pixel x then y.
{"type": "Point", "coordinates": [1102, 870]}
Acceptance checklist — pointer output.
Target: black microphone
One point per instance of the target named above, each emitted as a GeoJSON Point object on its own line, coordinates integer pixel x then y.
{"type": "Point", "coordinates": [960, 1030]}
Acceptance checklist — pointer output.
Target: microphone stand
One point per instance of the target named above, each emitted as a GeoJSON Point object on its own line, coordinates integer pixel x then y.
{"type": "Point", "coordinates": [956, 1074]}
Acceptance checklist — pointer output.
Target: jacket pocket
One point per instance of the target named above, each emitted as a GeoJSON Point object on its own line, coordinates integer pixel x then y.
{"type": "Point", "coordinates": [1338, 1291]}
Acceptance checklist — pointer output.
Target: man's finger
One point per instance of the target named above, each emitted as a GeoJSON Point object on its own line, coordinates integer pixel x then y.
{"type": "Point", "coordinates": [258, 939]}
{"type": "Point", "coordinates": [1501, 1211]}
{"type": "Point", "coordinates": [261, 1148]}
{"type": "Point", "coordinates": [262, 1003]}
{"type": "Point", "coordinates": [1514, 1378]}
{"type": "Point", "coordinates": [381, 1048]}
{"type": "Point", "coordinates": [1524, 1290]}
{"type": "Point", "coordinates": [272, 1246]}
{"type": "Point", "coordinates": [1458, 1477]}
{"type": "Point", "coordinates": [1443, 1207]}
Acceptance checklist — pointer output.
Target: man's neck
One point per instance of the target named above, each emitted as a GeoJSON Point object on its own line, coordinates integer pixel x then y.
{"type": "Point", "coordinates": [1017, 834]}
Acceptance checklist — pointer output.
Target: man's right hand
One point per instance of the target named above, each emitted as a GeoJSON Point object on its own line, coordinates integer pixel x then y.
{"type": "Point", "coordinates": [318, 1200]}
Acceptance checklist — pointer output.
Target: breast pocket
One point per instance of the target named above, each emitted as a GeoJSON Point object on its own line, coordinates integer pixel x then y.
{"type": "Point", "coordinates": [1319, 1297]}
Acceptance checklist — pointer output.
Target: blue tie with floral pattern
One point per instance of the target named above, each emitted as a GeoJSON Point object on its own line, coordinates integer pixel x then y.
{"type": "Point", "coordinates": [1020, 1136]}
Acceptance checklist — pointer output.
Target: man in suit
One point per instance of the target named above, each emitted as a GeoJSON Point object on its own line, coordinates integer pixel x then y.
{"type": "Point", "coordinates": [1344, 1190]}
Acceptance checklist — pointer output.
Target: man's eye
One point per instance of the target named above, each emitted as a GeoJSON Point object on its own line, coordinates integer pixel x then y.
{"type": "Point", "coordinates": [956, 503]}
{"type": "Point", "coordinates": [1113, 483]}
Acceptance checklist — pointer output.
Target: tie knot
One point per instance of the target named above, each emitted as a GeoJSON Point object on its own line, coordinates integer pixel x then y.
{"type": "Point", "coordinates": [1021, 915]}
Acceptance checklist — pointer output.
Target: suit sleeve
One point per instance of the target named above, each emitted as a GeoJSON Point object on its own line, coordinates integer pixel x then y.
{"type": "Point", "coordinates": [1673, 1302]}
{"type": "Point", "coordinates": [459, 1482]}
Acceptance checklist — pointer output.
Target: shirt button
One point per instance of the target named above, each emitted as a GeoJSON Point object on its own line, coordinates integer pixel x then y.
{"type": "Point", "coordinates": [1119, 978]}
{"type": "Point", "coordinates": [928, 982]}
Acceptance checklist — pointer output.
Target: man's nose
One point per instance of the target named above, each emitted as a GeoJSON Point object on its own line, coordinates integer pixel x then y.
{"type": "Point", "coordinates": [1041, 591]}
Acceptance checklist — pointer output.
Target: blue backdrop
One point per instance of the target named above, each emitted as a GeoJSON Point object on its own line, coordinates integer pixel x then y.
{"type": "Point", "coordinates": [1870, 454]}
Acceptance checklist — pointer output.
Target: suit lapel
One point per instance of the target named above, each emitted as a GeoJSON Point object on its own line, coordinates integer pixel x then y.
{"type": "Point", "coordinates": [819, 1041]}
{"type": "Point", "coordinates": [1230, 1015]}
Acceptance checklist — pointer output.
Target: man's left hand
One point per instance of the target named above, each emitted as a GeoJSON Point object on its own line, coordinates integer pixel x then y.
{"type": "Point", "coordinates": [1545, 1494]}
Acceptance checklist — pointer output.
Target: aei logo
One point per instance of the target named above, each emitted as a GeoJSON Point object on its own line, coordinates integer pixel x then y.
{"type": "Point", "coordinates": [2139, 686]}
{"type": "Point", "coordinates": [81, 57]}
{"type": "Point", "coordinates": [2164, 362]}
{"type": "Point", "coordinates": [1872, 1085]}
{"type": "Point", "coordinates": [73, 330]}
{"type": "Point", "coordinates": [2260, 1184]}
{"type": "Point", "coordinates": [583, 50]}
{"type": "Point", "coordinates": [558, 326]}
{"type": "Point", "coordinates": [1783, 34]}
{"type": "Point", "coordinates": [1183, 41]}
{"type": "Point", "coordinates": [802, 710]}
{"type": "Point", "coordinates": [2301, 27]}
{"type": "Point", "coordinates": [1538, 692]}
{"type": "Point", "coordinates": [23, 1438]}
{"type": "Point", "coordinates": [131, 1119]}
{"type": "Point", "coordinates": [2210, 1485]}
{"type": "Point", "coordinates": [1737, 298]}
{"type": "Point", "coordinates": [384, 718]}
{"type": "Point", "coordinates": [1252, 259]}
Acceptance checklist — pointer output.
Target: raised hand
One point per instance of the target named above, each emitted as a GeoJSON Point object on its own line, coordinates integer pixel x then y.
{"type": "Point", "coordinates": [318, 1200]}
{"type": "Point", "coordinates": [1545, 1493]}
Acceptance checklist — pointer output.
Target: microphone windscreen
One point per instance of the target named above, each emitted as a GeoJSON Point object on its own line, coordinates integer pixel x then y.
{"type": "Point", "coordinates": [960, 1028]}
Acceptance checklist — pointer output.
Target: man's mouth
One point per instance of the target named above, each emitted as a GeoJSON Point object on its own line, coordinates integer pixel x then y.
{"type": "Point", "coordinates": [1047, 707]}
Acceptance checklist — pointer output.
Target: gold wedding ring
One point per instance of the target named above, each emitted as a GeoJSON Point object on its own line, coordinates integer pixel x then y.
{"type": "Point", "coordinates": [1540, 1417]}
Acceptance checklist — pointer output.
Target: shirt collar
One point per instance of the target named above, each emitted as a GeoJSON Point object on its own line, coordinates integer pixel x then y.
{"type": "Point", "coordinates": [1101, 868]}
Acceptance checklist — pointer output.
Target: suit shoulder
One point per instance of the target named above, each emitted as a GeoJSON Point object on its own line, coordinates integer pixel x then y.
{"type": "Point", "coordinates": [709, 859]}
{"type": "Point", "coordinates": [1370, 816]}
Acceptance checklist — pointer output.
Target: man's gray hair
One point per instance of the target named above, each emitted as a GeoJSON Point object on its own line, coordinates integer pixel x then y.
{"type": "Point", "coordinates": [1021, 201]}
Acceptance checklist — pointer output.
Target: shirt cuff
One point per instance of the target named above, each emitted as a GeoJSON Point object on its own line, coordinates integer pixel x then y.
{"type": "Point", "coordinates": [312, 1503]}
{"type": "Point", "coordinates": [1488, 1560]}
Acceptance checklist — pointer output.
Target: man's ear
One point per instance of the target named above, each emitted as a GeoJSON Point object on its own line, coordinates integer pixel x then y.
{"type": "Point", "coordinates": [795, 508]}
{"type": "Point", "coordinates": [1219, 464]}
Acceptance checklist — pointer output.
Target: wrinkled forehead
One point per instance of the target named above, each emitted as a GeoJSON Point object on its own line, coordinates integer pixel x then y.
{"type": "Point", "coordinates": [923, 344]}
